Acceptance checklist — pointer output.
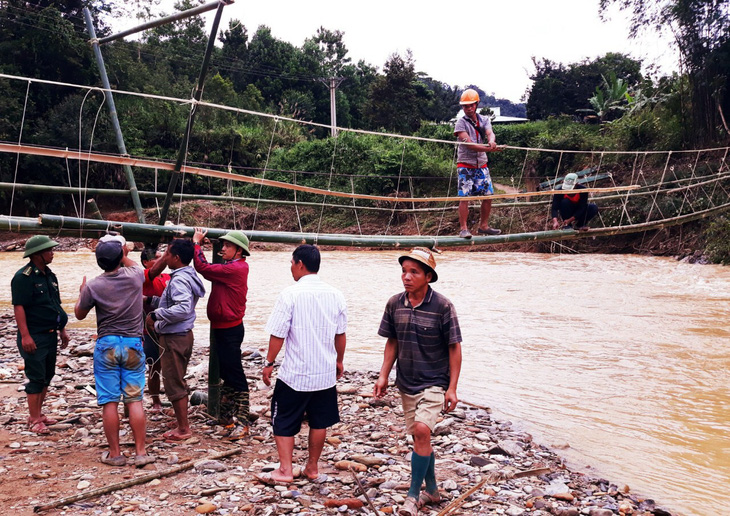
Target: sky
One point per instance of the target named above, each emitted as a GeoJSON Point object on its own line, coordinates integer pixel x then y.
{"type": "Point", "coordinates": [490, 44]}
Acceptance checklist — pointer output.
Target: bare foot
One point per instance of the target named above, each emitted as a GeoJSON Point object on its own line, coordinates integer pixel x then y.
{"type": "Point", "coordinates": [312, 473]}
{"type": "Point", "coordinates": [177, 435]}
{"type": "Point", "coordinates": [279, 476]}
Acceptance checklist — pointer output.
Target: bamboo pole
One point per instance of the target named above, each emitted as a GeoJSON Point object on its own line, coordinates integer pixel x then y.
{"type": "Point", "coordinates": [92, 210]}
{"type": "Point", "coordinates": [156, 23]}
{"type": "Point", "coordinates": [113, 113]}
{"type": "Point", "coordinates": [129, 483]}
{"type": "Point", "coordinates": [145, 232]}
{"type": "Point", "coordinates": [214, 369]}
{"type": "Point", "coordinates": [120, 160]}
{"type": "Point", "coordinates": [197, 95]}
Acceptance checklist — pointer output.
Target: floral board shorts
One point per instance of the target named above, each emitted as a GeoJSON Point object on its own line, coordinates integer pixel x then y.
{"type": "Point", "coordinates": [474, 181]}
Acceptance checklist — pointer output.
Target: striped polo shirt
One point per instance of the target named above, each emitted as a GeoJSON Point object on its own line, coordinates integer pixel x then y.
{"type": "Point", "coordinates": [308, 315]}
{"type": "Point", "coordinates": [424, 334]}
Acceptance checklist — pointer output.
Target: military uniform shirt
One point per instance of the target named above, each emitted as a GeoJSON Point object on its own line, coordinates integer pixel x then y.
{"type": "Point", "coordinates": [39, 295]}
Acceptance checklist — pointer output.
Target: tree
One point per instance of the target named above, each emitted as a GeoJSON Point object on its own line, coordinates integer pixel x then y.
{"type": "Point", "coordinates": [562, 90]}
{"type": "Point", "coordinates": [610, 97]}
{"type": "Point", "coordinates": [393, 102]}
{"type": "Point", "coordinates": [701, 30]}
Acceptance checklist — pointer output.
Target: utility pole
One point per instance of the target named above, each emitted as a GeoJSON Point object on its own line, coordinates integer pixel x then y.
{"type": "Point", "coordinates": [333, 83]}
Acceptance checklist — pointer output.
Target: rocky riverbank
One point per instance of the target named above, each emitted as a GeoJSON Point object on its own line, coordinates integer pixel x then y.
{"type": "Point", "coordinates": [368, 447]}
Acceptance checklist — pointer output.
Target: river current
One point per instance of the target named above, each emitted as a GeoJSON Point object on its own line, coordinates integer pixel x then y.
{"type": "Point", "coordinates": [621, 362]}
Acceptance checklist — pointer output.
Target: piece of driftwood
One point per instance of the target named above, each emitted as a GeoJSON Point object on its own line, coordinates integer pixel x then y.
{"type": "Point", "coordinates": [129, 483]}
{"type": "Point", "coordinates": [493, 477]}
{"type": "Point", "coordinates": [362, 490]}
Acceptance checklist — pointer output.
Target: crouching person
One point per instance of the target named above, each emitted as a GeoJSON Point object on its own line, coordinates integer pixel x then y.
{"type": "Point", "coordinates": [119, 361]}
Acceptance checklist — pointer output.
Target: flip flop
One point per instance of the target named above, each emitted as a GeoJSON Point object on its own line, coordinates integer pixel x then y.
{"type": "Point", "coordinates": [173, 436]}
{"type": "Point", "coordinates": [319, 479]}
{"type": "Point", "coordinates": [39, 427]}
{"type": "Point", "coordinates": [266, 478]}
{"type": "Point", "coordinates": [48, 421]}
{"type": "Point", "coordinates": [121, 460]}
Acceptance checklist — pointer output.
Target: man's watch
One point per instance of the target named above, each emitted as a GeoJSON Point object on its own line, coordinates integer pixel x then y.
{"type": "Point", "coordinates": [153, 316]}
{"type": "Point", "coordinates": [269, 364]}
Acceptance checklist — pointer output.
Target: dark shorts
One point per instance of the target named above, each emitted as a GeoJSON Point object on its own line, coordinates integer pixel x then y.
{"type": "Point", "coordinates": [474, 181]}
{"type": "Point", "coordinates": [40, 367]}
{"type": "Point", "coordinates": [151, 348]}
{"type": "Point", "coordinates": [288, 408]}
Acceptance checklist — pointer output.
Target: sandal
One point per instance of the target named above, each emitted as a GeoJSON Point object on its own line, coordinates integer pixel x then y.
{"type": "Point", "coordinates": [143, 460]}
{"type": "Point", "coordinates": [409, 507]}
{"type": "Point", "coordinates": [39, 427]}
{"type": "Point", "coordinates": [121, 460]}
{"type": "Point", "coordinates": [426, 498]}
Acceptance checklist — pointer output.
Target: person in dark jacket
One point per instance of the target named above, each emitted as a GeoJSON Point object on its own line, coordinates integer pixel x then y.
{"type": "Point", "coordinates": [226, 308]}
{"type": "Point", "coordinates": [573, 207]}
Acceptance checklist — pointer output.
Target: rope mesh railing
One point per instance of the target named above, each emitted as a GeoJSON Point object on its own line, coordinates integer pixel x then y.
{"type": "Point", "coordinates": [633, 189]}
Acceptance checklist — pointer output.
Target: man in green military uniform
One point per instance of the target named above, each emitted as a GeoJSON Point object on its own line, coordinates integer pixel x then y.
{"type": "Point", "coordinates": [41, 319]}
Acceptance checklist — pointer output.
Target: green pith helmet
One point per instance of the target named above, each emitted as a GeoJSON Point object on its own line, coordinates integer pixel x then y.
{"type": "Point", "coordinates": [239, 239]}
{"type": "Point", "coordinates": [38, 243]}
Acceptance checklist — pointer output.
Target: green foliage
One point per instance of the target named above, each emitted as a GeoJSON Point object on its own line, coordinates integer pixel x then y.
{"type": "Point", "coordinates": [611, 97]}
{"type": "Point", "coordinates": [563, 90]}
{"type": "Point", "coordinates": [718, 240]}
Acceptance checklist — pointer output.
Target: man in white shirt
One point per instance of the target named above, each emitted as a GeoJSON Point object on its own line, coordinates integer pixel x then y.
{"type": "Point", "coordinates": [311, 317]}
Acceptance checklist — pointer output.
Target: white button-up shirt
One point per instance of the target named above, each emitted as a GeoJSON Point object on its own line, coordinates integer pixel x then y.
{"type": "Point", "coordinates": [308, 315]}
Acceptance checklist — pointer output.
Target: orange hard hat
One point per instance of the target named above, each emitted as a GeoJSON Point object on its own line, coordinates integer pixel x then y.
{"type": "Point", "coordinates": [470, 96]}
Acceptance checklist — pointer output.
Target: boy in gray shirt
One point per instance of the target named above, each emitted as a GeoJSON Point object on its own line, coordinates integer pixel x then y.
{"type": "Point", "coordinates": [172, 319]}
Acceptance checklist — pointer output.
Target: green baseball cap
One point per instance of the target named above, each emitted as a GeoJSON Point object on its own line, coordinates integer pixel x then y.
{"type": "Point", "coordinates": [38, 243]}
{"type": "Point", "coordinates": [238, 238]}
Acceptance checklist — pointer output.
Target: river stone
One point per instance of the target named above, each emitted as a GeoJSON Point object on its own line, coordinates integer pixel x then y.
{"type": "Point", "coordinates": [444, 427]}
{"type": "Point", "coordinates": [514, 511]}
{"type": "Point", "coordinates": [210, 465]}
{"type": "Point", "coordinates": [206, 508]}
{"type": "Point", "coordinates": [449, 485]}
{"type": "Point", "coordinates": [600, 512]}
{"type": "Point", "coordinates": [556, 487]}
{"type": "Point", "coordinates": [478, 461]}
{"type": "Point", "coordinates": [84, 484]}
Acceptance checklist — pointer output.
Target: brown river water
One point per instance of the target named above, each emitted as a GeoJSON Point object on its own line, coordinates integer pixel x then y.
{"type": "Point", "coordinates": [620, 361]}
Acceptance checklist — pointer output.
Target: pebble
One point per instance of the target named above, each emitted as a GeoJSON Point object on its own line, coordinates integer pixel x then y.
{"type": "Point", "coordinates": [206, 508]}
{"type": "Point", "coordinates": [84, 484]}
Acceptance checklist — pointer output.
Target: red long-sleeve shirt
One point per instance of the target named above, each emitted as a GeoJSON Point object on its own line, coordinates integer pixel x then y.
{"type": "Point", "coordinates": [229, 287]}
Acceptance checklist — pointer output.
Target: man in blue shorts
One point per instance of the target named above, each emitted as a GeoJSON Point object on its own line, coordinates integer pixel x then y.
{"type": "Point", "coordinates": [119, 361]}
{"type": "Point", "coordinates": [311, 317]}
{"type": "Point", "coordinates": [424, 339]}
{"type": "Point", "coordinates": [473, 130]}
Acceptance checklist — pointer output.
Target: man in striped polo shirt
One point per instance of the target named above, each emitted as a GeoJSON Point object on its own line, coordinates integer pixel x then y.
{"type": "Point", "coordinates": [424, 338]}
{"type": "Point", "coordinates": [311, 317]}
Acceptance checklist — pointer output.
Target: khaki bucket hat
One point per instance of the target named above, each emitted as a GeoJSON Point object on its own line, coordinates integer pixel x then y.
{"type": "Point", "coordinates": [38, 243]}
{"type": "Point", "coordinates": [238, 238]}
{"type": "Point", "coordinates": [425, 256]}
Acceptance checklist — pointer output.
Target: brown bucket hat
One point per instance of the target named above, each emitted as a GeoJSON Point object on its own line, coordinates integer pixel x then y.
{"type": "Point", "coordinates": [424, 256]}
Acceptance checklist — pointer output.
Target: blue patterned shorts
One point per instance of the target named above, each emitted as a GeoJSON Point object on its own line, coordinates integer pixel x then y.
{"type": "Point", "coordinates": [474, 181]}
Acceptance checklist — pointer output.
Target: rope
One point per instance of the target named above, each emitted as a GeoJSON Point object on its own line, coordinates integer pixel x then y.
{"type": "Point", "coordinates": [20, 139]}
{"type": "Point", "coordinates": [448, 191]}
{"type": "Point", "coordinates": [329, 182]}
{"type": "Point", "coordinates": [397, 188]}
{"type": "Point", "coordinates": [315, 124]}
{"type": "Point", "coordinates": [266, 167]}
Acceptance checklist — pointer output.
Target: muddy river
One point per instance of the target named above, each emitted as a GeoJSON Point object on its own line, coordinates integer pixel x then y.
{"type": "Point", "coordinates": [620, 361]}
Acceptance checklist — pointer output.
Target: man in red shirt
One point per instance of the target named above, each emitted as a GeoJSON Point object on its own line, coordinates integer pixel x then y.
{"type": "Point", "coordinates": [226, 308]}
{"type": "Point", "coordinates": [154, 285]}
